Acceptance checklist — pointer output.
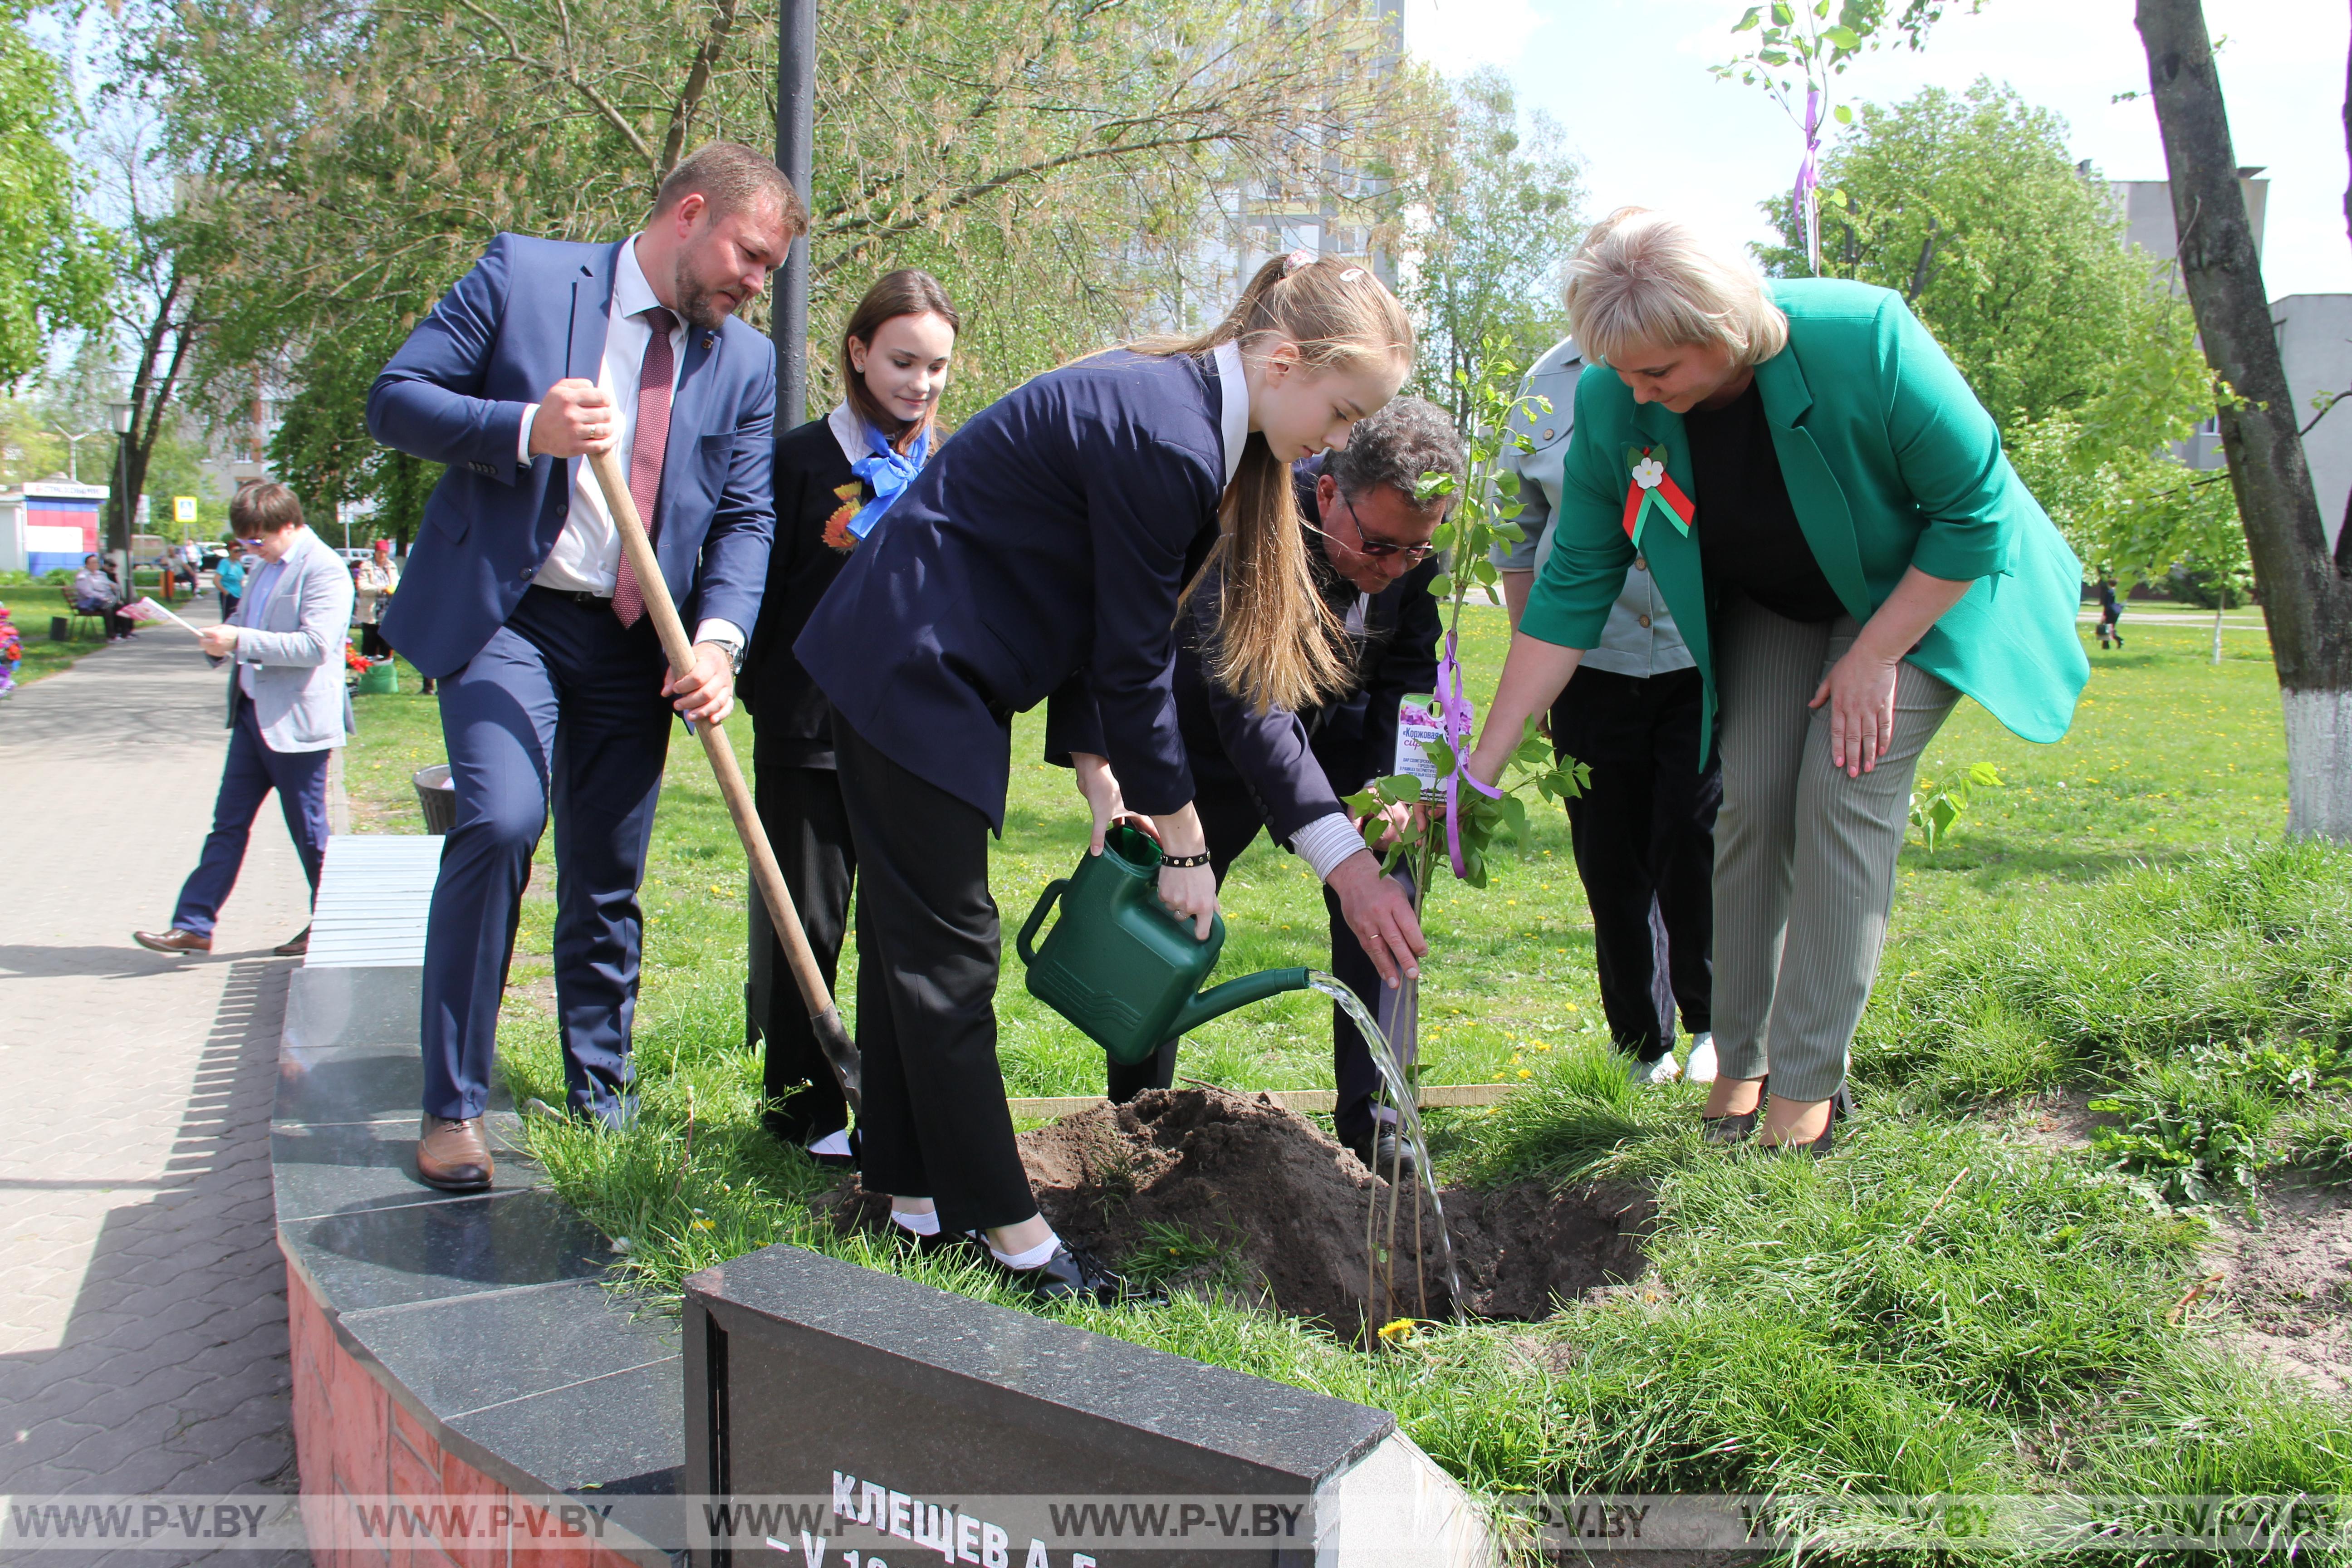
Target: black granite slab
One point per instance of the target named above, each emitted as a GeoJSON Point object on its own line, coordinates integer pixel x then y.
{"type": "Point", "coordinates": [433, 1251]}
{"type": "Point", "coordinates": [339, 1167]}
{"type": "Point", "coordinates": [620, 1432]}
{"type": "Point", "coordinates": [356, 1083]}
{"type": "Point", "coordinates": [801, 1368]}
{"type": "Point", "coordinates": [374, 1006]}
{"type": "Point", "coordinates": [469, 1352]}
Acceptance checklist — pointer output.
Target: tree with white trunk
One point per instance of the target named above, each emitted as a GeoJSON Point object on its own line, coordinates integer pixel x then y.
{"type": "Point", "coordinates": [2307, 598]}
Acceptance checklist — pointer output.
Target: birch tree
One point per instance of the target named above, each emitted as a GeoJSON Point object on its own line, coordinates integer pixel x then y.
{"type": "Point", "coordinates": [2306, 600]}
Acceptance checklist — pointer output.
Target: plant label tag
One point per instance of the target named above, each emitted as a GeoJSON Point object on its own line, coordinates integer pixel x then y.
{"type": "Point", "coordinates": [1417, 728]}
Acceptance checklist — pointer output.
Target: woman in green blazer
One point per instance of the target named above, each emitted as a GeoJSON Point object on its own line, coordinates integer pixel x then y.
{"type": "Point", "coordinates": [1825, 508]}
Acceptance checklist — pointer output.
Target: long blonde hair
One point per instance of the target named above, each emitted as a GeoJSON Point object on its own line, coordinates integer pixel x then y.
{"type": "Point", "coordinates": [1277, 643]}
{"type": "Point", "coordinates": [1646, 277]}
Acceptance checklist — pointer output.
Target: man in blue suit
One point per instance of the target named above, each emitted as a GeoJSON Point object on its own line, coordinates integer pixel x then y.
{"type": "Point", "coordinates": [517, 599]}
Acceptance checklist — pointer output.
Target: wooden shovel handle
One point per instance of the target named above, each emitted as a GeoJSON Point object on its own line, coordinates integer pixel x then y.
{"type": "Point", "coordinates": [765, 873]}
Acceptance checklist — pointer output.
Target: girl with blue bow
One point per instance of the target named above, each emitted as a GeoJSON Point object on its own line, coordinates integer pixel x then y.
{"type": "Point", "coordinates": [836, 478]}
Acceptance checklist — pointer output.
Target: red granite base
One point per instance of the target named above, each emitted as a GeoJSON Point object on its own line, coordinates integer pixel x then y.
{"type": "Point", "coordinates": [363, 1459]}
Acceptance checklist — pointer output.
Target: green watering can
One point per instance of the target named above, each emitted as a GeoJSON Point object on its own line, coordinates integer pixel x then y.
{"type": "Point", "coordinates": [1122, 967]}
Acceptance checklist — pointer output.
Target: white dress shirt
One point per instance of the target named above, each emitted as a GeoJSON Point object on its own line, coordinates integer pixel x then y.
{"type": "Point", "coordinates": [587, 555]}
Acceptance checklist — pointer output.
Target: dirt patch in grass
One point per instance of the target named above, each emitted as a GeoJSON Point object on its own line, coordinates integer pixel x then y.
{"type": "Point", "coordinates": [1209, 1187]}
{"type": "Point", "coordinates": [2289, 1284]}
{"type": "Point", "coordinates": [2059, 1121]}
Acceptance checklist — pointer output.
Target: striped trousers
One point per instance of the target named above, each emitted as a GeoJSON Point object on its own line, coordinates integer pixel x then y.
{"type": "Point", "coordinates": [1805, 857]}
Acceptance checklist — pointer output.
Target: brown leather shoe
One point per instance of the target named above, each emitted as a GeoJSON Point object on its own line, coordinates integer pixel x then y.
{"type": "Point", "coordinates": [453, 1155]}
{"type": "Point", "coordinates": [175, 942]}
{"type": "Point", "coordinates": [294, 947]}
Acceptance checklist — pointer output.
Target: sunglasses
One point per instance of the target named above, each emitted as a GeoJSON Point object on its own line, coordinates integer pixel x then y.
{"type": "Point", "coordinates": [1381, 549]}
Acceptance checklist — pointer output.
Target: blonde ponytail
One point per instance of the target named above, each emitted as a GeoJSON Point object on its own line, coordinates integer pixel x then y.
{"type": "Point", "coordinates": [1277, 643]}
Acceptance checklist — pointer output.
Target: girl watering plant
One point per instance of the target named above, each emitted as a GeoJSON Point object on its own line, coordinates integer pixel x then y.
{"type": "Point", "coordinates": [1825, 508]}
{"type": "Point", "coordinates": [1041, 555]}
{"type": "Point", "coordinates": [837, 477]}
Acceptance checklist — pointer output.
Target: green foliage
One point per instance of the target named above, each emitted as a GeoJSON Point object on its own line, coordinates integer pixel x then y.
{"type": "Point", "coordinates": [1051, 161]}
{"type": "Point", "coordinates": [1936, 806]}
{"type": "Point", "coordinates": [1971, 207]}
{"type": "Point", "coordinates": [2321, 1143]}
{"type": "Point", "coordinates": [1799, 48]}
{"type": "Point", "coordinates": [2211, 960]}
{"type": "Point", "coordinates": [2196, 1131]}
{"type": "Point", "coordinates": [1484, 514]}
{"type": "Point", "coordinates": [53, 258]}
{"type": "Point", "coordinates": [1491, 221]}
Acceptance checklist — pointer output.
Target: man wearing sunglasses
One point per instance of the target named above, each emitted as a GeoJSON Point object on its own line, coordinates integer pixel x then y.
{"type": "Point", "coordinates": [1285, 773]}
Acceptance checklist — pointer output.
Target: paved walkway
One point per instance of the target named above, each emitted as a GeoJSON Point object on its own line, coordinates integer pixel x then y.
{"type": "Point", "coordinates": [142, 1310]}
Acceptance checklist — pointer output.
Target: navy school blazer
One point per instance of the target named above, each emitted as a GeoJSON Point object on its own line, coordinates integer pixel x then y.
{"type": "Point", "coordinates": [1039, 554]}
{"type": "Point", "coordinates": [531, 312]}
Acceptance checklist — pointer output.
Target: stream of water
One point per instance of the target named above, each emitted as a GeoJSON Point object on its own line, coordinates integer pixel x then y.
{"type": "Point", "coordinates": [1408, 1109]}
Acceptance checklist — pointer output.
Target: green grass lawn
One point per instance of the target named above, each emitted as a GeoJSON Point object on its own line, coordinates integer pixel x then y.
{"type": "Point", "coordinates": [1946, 1305]}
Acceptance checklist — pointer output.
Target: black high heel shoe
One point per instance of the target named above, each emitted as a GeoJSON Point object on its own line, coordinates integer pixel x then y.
{"type": "Point", "coordinates": [1841, 1107]}
{"type": "Point", "coordinates": [1733, 1129]}
{"type": "Point", "coordinates": [1740, 1125]}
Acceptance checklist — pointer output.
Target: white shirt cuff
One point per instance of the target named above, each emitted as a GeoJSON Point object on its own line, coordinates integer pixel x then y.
{"type": "Point", "coordinates": [522, 436]}
{"type": "Point", "coordinates": [1326, 841]}
{"type": "Point", "coordinates": [715, 630]}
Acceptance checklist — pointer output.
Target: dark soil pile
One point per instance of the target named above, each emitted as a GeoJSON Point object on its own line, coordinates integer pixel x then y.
{"type": "Point", "coordinates": [1286, 1210]}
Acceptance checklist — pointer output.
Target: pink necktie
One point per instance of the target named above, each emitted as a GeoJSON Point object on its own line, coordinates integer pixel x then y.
{"type": "Point", "coordinates": [646, 454]}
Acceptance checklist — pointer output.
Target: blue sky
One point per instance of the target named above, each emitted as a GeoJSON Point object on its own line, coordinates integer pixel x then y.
{"type": "Point", "coordinates": [1628, 80]}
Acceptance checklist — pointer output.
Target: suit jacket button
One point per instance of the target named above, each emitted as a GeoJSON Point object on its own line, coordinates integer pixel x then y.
{"type": "Point", "coordinates": [1645, 620]}
{"type": "Point", "coordinates": [1641, 564]}
{"type": "Point", "coordinates": [529, 569]}
{"type": "Point", "coordinates": [1547, 435]}
{"type": "Point", "coordinates": [563, 508]}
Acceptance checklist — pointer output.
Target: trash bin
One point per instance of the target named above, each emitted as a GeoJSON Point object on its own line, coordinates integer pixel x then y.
{"type": "Point", "coordinates": [60, 628]}
{"type": "Point", "coordinates": [437, 796]}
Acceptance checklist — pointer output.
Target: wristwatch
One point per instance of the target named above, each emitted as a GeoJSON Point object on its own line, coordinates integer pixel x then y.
{"type": "Point", "coordinates": [734, 652]}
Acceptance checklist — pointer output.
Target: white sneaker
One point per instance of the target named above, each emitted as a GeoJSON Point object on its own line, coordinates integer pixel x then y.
{"type": "Point", "coordinates": [1701, 1069]}
{"type": "Point", "coordinates": [1665, 1069]}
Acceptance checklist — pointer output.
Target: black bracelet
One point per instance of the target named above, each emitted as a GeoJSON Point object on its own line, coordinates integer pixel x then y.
{"type": "Point", "coordinates": [1183, 862]}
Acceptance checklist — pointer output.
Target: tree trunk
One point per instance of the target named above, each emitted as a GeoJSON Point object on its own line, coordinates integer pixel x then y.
{"type": "Point", "coordinates": [2307, 602]}
{"type": "Point", "coordinates": [2217, 630]}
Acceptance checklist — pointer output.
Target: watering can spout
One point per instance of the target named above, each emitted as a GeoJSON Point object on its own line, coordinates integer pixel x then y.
{"type": "Point", "coordinates": [1217, 1001]}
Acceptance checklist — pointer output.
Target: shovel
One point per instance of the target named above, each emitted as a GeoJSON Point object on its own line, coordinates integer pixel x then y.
{"type": "Point", "coordinates": [824, 1019]}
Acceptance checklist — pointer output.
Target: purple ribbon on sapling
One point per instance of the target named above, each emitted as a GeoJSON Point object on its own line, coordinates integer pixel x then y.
{"type": "Point", "coordinates": [1809, 178]}
{"type": "Point", "coordinates": [1454, 711]}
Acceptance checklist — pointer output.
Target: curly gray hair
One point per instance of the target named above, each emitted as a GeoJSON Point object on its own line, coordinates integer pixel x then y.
{"type": "Point", "coordinates": [1396, 446]}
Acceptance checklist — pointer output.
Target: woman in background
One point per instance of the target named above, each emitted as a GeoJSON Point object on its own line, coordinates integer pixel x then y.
{"type": "Point", "coordinates": [228, 579]}
{"type": "Point", "coordinates": [1824, 505]}
{"type": "Point", "coordinates": [373, 582]}
{"type": "Point", "coordinates": [835, 479]}
{"type": "Point", "coordinates": [1043, 554]}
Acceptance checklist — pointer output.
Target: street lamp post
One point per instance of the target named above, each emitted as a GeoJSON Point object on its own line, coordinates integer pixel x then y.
{"type": "Point", "coordinates": [118, 415]}
{"type": "Point", "coordinates": [795, 131]}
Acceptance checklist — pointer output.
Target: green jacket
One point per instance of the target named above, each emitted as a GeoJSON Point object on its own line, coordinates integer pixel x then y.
{"type": "Point", "coordinates": [1890, 463]}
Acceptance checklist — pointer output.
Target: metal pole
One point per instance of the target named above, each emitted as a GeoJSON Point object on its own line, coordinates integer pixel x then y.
{"type": "Point", "coordinates": [123, 512]}
{"type": "Point", "coordinates": [795, 135]}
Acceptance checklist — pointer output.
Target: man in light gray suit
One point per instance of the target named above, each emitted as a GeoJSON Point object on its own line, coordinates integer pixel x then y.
{"type": "Point", "coordinates": [287, 708]}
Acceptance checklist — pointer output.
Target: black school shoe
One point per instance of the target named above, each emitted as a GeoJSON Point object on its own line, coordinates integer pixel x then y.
{"type": "Point", "coordinates": [1066, 1276]}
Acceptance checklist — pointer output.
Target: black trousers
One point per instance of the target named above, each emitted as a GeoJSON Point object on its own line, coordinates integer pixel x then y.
{"type": "Point", "coordinates": [808, 827]}
{"type": "Point", "coordinates": [933, 1122]}
{"type": "Point", "coordinates": [1231, 821]}
{"type": "Point", "coordinates": [1644, 841]}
